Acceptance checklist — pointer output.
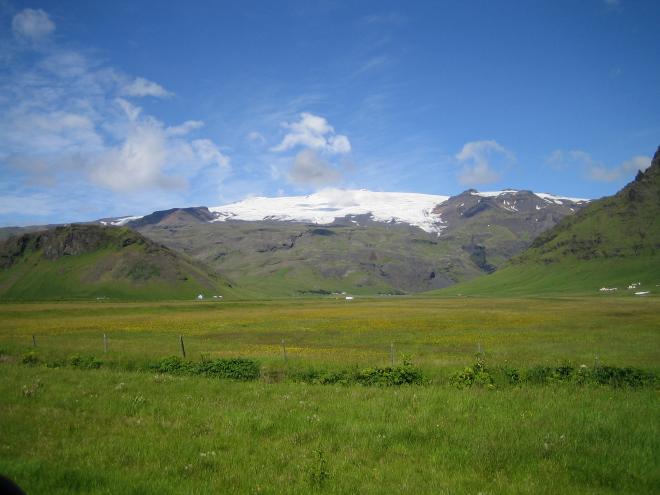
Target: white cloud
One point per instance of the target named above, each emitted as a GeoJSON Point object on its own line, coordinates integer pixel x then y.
{"type": "Point", "coordinates": [32, 24]}
{"type": "Point", "coordinates": [186, 128]}
{"type": "Point", "coordinates": [310, 170]}
{"type": "Point", "coordinates": [626, 169]}
{"type": "Point", "coordinates": [48, 132]}
{"type": "Point", "coordinates": [478, 157]}
{"type": "Point", "coordinates": [561, 160]}
{"type": "Point", "coordinates": [256, 137]}
{"type": "Point", "coordinates": [143, 87]}
{"type": "Point", "coordinates": [137, 163]}
{"type": "Point", "coordinates": [131, 111]}
{"type": "Point", "coordinates": [66, 121]}
{"type": "Point", "coordinates": [209, 153]}
{"type": "Point", "coordinates": [312, 131]}
{"type": "Point", "coordinates": [595, 170]}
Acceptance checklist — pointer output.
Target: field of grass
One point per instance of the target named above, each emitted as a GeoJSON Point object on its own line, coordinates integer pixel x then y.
{"type": "Point", "coordinates": [568, 277]}
{"type": "Point", "coordinates": [114, 430]}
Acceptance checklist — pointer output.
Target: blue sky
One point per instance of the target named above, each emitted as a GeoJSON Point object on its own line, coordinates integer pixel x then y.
{"type": "Point", "coordinates": [125, 107]}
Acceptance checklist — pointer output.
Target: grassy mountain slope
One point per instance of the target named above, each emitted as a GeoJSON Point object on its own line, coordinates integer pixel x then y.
{"type": "Point", "coordinates": [88, 261]}
{"type": "Point", "coordinates": [613, 242]}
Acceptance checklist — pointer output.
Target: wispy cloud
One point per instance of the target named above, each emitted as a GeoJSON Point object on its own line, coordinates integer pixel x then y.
{"type": "Point", "coordinates": [385, 18]}
{"type": "Point", "coordinates": [480, 161]}
{"type": "Point", "coordinates": [32, 24]}
{"type": "Point", "coordinates": [595, 170]}
{"type": "Point", "coordinates": [310, 170]}
{"type": "Point", "coordinates": [64, 113]}
{"type": "Point", "coordinates": [143, 87]}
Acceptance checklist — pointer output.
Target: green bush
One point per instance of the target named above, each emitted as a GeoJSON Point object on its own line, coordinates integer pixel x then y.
{"type": "Point", "coordinates": [86, 362]}
{"type": "Point", "coordinates": [30, 358]}
{"type": "Point", "coordinates": [235, 368]}
{"type": "Point", "coordinates": [173, 365]}
{"type": "Point", "coordinates": [390, 376]}
{"type": "Point", "coordinates": [324, 377]}
{"type": "Point", "coordinates": [473, 375]}
{"type": "Point", "coordinates": [622, 377]}
{"type": "Point", "coordinates": [407, 374]}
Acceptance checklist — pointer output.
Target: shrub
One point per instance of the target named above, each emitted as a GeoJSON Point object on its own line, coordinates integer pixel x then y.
{"type": "Point", "coordinates": [511, 375]}
{"type": "Point", "coordinates": [537, 374]}
{"type": "Point", "coordinates": [86, 362]}
{"type": "Point", "coordinates": [477, 374]}
{"type": "Point", "coordinates": [30, 358]}
{"type": "Point", "coordinates": [620, 377]}
{"type": "Point", "coordinates": [390, 376]}
{"type": "Point", "coordinates": [172, 364]}
{"type": "Point", "coordinates": [324, 377]}
{"type": "Point", "coordinates": [235, 368]}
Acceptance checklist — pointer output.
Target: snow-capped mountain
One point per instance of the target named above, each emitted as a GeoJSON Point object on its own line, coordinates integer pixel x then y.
{"type": "Point", "coordinates": [429, 212]}
{"type": "Point", "coordinates": [419, 210]}
{"type": "Point", "coordinates": [337, 240]}
{"type": "Point", "coordinates": [325, 206]}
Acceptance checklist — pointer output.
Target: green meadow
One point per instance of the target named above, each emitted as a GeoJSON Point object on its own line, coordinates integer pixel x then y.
{"type": "Point", "coordinates": [124, 428]}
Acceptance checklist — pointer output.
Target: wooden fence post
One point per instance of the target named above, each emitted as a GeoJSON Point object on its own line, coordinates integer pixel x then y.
{"type": "Point", "coordinates": [34, 341]}
{"type": "Point", "coordinates": [392, 354]}
{"type": "Point", "coordinates": [283, 350]}
{"type": "Point", "coordinates": [105, 343]}
{"type": "Point", "coordinates": [183, 348]}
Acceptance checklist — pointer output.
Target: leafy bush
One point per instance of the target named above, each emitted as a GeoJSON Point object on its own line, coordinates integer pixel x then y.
{"type": "Point", "coordinates": [407, 374]}
{"type": "Point", "coordinates": [390, 376]}
{"type": "Point", "coordinates": [601, 375]}
{"type": "Point", "coordinates": [620, 377]}
{"type": "Point", "coordinates": [510, 375]}
{"type": "Point", "coordinates": [235, 368]}
{"type": "Point", "coordinates": [173, 365]}
{"type": "Point", "coordinates": [477, 374]}
{"type": "Point", "coordinates": [324, 377]}
{"type": "Point", "coordinates": [30, 358]}
{"type": "Point", "coordinates": [86, 362]}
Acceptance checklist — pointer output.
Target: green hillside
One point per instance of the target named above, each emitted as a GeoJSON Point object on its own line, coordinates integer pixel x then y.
{"type": "Point", "coordinates": [613, 242]}
{"type": "Point", "coordinates": [90, 262]}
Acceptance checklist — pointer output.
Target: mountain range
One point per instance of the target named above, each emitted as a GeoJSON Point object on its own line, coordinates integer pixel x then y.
{"type": "Point", "coordinates": [356, 241]}
{"type": "Point", "coordinates": [352, 240]}
{"type": "Point", "coordinates": [364, 242]}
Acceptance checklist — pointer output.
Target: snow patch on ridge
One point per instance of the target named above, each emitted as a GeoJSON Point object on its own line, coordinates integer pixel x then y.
{"type": "Point", "coordinates": [325, 206]}
{"type": "Point", "coordinates": [549, 198]}
{"type": "Point", "coordinates": [118, 222]}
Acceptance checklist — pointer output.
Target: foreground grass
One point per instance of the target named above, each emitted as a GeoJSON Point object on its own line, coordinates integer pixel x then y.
{"type": "Point", "coordinates": [113, 430]}
{"type": "Point", "coordinates": [104, 431]}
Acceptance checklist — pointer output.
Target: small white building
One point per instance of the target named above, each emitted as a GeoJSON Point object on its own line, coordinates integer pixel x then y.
{"type": "Point", "coordinates": [349, 298]}
{"type": "Point", "coordinates": [200, 297]}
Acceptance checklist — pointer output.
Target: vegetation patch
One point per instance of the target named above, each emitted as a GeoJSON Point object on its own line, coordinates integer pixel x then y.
{"type": "Point", "coordinates": [481, 376]}
{"type": "Point", "coordinates": [235, 368]}
{"type": "Point", "coordinates": [387, 376]}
